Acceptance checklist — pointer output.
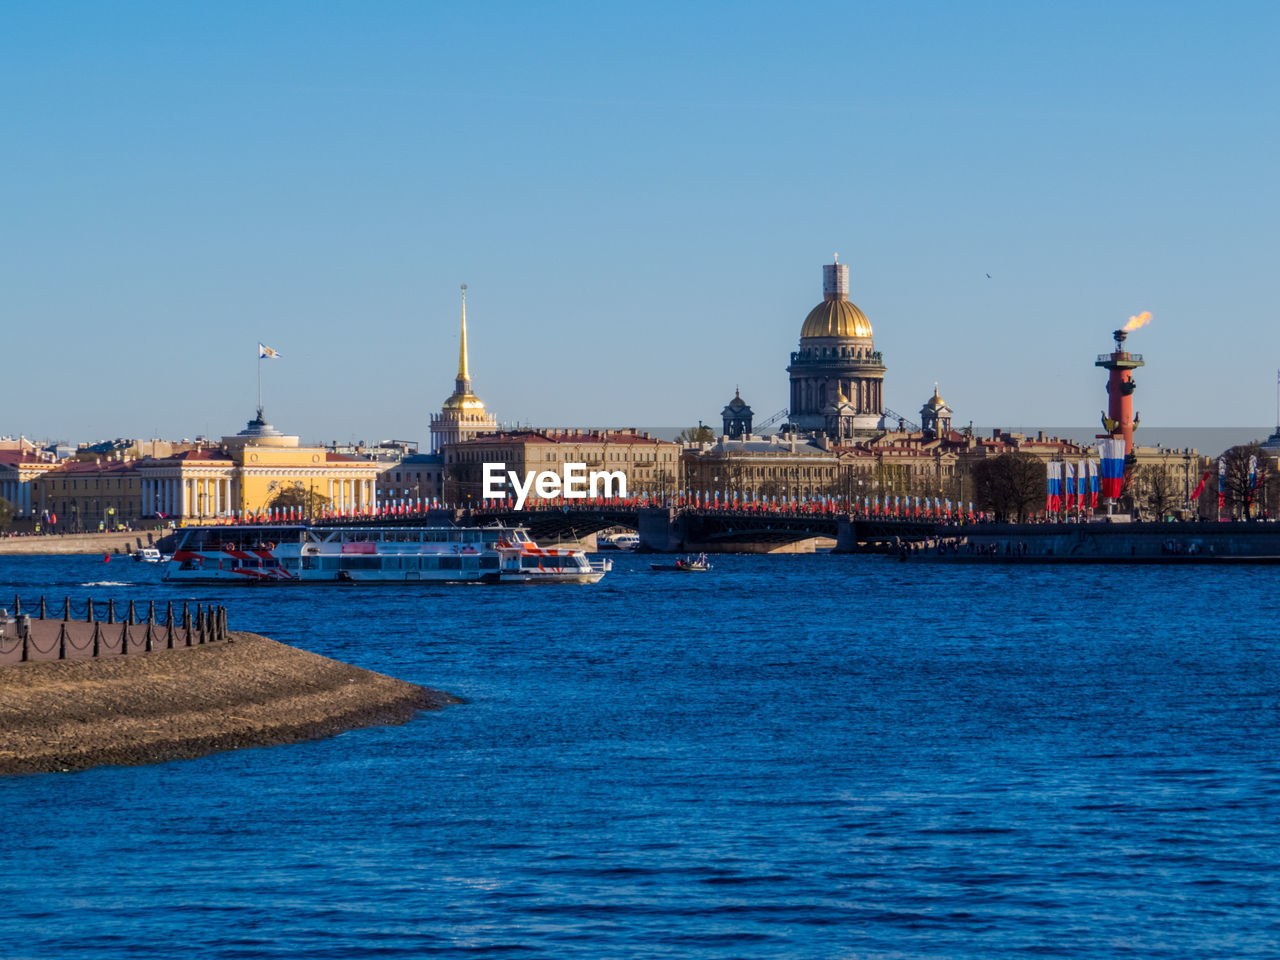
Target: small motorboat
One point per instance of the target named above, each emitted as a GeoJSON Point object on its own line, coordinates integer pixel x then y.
{"type": "Point", "coordinates": [149, 555]}
{"type": "Point", "coordinates": [696, 564]}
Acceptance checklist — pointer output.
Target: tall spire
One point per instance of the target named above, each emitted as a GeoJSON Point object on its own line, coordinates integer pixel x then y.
{"type": "Point", "coordinates": [464, 377]}
{"type": "Point", "coordinates": [462, 416]}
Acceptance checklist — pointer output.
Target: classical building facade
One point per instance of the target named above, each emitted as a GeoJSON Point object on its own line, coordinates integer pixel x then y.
{"type": "Point", "coordinates": [649, 464]}
{"type": "Point", "coordinates": [915, 463]}
{"type": "Point", "coordinates": [419, 476]}
{"type": "Point", "coordinates": [88, 495]}
{"type": "Point", "coordinates": [18, 469]}
{"type": "Point", "coordinates": [837, 376]}
{"type": "Point", "coordinates": [243, 475]}
{"type": "Point", "coordinates": [462, 416]}
{"type": "Point", "coordinates": [791, 465]}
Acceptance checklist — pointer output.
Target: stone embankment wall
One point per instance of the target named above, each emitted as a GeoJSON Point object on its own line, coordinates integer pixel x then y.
{"type": "Point", "coordinates": [1196, 542]}
{"type": "Point", "coordinates": [103, 543]}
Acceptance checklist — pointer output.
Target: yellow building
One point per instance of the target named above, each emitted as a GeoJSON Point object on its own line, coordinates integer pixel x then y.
{"type": "Point", "coordinates": [18, 470]}
{"type": "Point", "coordinates": [247, 472]}
{"type": "Point", "coordinates": [242, 476]}
{"type": "Point", "coordinates": [88, 494]}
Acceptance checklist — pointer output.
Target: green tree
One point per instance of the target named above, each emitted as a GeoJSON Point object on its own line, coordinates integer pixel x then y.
{"type": "Point", "coordinates": [698, 434]}
{"type": "Point", "coordinates": [1011, 486]}
{"type": "Point", "coordinates": [6, 513]}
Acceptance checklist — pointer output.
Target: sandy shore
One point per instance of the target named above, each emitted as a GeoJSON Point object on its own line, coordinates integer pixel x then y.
{"type": "Point", "coordinates": [249, 691]}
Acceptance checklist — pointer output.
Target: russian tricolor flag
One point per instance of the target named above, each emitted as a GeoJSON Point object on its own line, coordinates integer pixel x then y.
{"type": "Point", "coordinates": [1111, 462]}
{"type": "Point", "coordinates": [1053, 502]}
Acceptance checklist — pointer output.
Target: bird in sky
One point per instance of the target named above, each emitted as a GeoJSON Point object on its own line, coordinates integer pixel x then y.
{"type": "Point", "coordinates": [988, 276]}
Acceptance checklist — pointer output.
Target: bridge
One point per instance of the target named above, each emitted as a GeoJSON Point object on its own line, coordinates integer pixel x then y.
{"type": "Point", "coordinates": [671, 529]}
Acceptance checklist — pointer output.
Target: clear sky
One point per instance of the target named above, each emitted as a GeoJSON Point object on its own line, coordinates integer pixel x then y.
{"type": "Point", "coordinates": [640, 198]}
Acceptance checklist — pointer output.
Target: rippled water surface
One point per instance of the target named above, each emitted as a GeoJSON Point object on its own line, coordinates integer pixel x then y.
{"type": "Point", "coordinates": [801, 757]}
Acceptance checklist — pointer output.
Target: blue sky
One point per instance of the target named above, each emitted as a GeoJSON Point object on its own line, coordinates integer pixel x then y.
{"type": "Point", "coordinates": [640, 199]}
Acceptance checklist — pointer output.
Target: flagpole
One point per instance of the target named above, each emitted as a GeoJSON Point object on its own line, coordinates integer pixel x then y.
{"type": "Point", "coordinates": [259, 381]}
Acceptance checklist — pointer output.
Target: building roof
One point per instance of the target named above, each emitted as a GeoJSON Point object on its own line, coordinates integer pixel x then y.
{"type": "Point", "coordinates": [908, 444]}
{"type": "Point", "coordinates": [776, 446]}
{"type": "Point", "coordinates": [16, 457]}
{"type": "Point", "coordinates": [836, 318]}
{"type": "Point", "coordinates": [569, 436]}
{"type": "Point", "coordinates": [93, 466]}
{"type": "Point", "coordinates": [203, 454]}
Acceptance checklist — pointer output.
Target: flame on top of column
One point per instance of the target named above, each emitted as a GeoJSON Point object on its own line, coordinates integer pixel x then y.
{"type": "Point", "coordinates": [1141, 320]}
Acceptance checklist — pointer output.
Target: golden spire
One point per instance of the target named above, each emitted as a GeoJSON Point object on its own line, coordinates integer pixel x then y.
{"type": "Point", "coordinates": [463, 375]}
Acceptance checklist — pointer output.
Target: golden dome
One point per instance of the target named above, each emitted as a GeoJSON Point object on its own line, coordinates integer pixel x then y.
{"type": "Point", "coordinates": [835, 318]}
{"type": "Point", "coordinates": [464, 401]}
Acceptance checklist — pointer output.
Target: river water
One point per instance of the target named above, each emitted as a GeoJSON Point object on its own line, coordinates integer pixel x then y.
{"type": "Point", "coordinates": [792, 756]}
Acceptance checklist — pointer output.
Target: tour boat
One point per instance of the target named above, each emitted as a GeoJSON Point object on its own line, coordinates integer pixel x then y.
{"type": "Point", "coordinates": [303, 554]}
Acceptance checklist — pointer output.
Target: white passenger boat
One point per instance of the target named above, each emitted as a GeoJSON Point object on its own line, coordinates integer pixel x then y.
{"type": "Point", "coordinates": [617, 541]}
{"type": "Point", "coordinates": [352, 554]}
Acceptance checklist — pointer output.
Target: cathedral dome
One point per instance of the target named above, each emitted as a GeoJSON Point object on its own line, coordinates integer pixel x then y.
{"type": "Point", "coordinates": [836, 318]}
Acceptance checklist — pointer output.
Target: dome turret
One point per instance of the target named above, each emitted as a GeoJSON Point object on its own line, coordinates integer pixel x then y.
{"type": "Point", "coordinates": [837, 365]}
